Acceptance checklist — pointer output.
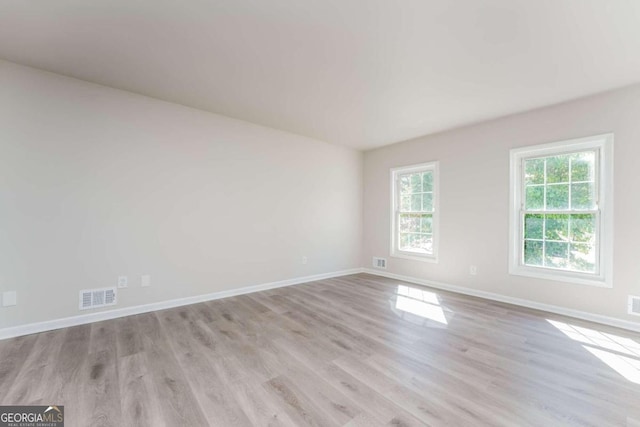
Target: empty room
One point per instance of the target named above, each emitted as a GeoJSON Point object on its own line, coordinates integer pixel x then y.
{"type": "Point", "coordinates": [319, 213]}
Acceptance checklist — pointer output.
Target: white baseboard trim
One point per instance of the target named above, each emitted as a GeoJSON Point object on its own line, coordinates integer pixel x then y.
{"type": "Point", "coordinates": [583, 315]}
{"type": "Point", "coordinates": [82, 319]}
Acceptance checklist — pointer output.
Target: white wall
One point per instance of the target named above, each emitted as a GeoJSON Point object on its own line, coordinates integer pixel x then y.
{"type": "Point", "coordinates": [474, 204]}
{"type": "Point", "coordinates": [97, 183]}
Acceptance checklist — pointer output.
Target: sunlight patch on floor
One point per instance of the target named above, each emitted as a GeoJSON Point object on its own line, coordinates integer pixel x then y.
{"type": "Point", "coordinates": [619, 353]}
{"type": "Point", "coordinates": [417, 305]}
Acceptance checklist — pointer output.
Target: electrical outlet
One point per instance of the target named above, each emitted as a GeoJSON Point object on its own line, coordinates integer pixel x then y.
{"type": "Point", "coordinates": [473, 270]}
{"type": "Point", "coordinates": [304, 260]}
{"type": "Point", "coordinates": [123, 282]}
{"type": "Point", "coordinates": [9, 298]}
{"type": "Point", "coordinates": [145, 280]}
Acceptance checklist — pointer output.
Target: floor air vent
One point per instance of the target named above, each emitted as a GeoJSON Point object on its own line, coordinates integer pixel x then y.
{"type": "Point", "coordinates": [95, 298]}
{"type": "Point", "coordinates": [634, 305]}
{"type": "Point", "coordinates": [380, 263]}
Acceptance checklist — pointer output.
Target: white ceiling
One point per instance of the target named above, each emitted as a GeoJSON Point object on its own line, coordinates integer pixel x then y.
{"type": "Point", "coordinates": [361, 73]}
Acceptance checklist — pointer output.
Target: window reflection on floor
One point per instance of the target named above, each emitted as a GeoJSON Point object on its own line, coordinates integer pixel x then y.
{"type": "Point", "coordinates": [619, 353]}
{"type": "Point", "coordinates": [419, 306]}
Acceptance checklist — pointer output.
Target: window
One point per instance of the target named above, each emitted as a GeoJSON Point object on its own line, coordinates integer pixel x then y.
{"type": "Point", "coordinates": [561, 219]}
{"type": "Point", "coordinates": [414, 212]}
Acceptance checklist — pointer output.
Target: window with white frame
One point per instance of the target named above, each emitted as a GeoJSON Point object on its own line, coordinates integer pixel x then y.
{"type": "Point", "coordinates": [414, 209]}
{"type": "Point", "coordinates": [561, 202]}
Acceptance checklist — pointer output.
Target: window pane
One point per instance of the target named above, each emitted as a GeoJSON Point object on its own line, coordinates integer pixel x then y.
{"type": "Point", "coordinates": [428, 243]}
{"type": "Point", "coordinates": [533, 226]}
{"type": "Point", "coordinates": [534, 198]}
{"type": "Point", "coordinates": [416, 182]}
{"type": "Point", "coordinates": [405, 203]}
{"type": "Point", "coordinates": [417, 241]}
{"type": "Point", "coordinates": [533, 252]}
{"type": "Point", "coordinates": [558, 169]}
{"type": "Point", "coordinates": [412, 241]}
{"type": "Point", "coordinates": [426, 224]}
{"type": "Point", "coordinates": [558, 197]}
{"type": "Point", "coordinates": [405, 184]}
{"type": "Point", "coordinates": [416, 202]}
{"type": "Point", "coordinates": [422, 243]}
{"type": "Point", "coordinates": [427, 202]}
{"type": "Point", "coordinates": [582, 166]}
{"type": "Point", "coordinates": [409, 223]}
{"type": "Point", "coordinates": [557, 227]}
{"type": "Point", "coordinates": [583, 196]}
{"type": "Point", "coordinates": [583, 258]}
{"type": "Point", "coordinates": [427, 181]}
{"type": "Point", "coordinates": [404, 241]}
{"type": "Point", "coordinates": [556, 254]}
{"type": "Point", "coordinates": [583, 228]}
{"type": "Point", "coordinates": [534, 171]}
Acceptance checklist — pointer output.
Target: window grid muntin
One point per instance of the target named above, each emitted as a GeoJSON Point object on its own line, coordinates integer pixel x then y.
{"type": "Point", "coordinates": [595, 181]}
{"type": "Point", "coordinates": [595, 244]}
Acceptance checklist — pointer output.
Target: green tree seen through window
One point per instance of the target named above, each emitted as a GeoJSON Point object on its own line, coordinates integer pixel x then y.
{"type": "Point", "coordinates": [560, 211]}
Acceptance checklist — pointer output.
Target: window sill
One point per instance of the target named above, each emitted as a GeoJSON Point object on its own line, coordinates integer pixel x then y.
{"type": "Point", "coordinates": [559, 276]}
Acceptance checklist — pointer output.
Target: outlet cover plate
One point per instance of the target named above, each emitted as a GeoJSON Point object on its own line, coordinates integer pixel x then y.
{"type": "Point", "coordinates": [123, 282]}
{"type": "Point", "coordinates": [9, 298]}
{"type": "Point", "coordinates": [145, 280]}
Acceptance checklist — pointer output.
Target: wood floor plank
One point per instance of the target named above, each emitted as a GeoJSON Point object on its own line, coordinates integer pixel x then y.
{"type": "Point", "coordinates": [129, 340]}
{"type": "Point", "coordinates": [300, 408]}
{"type": "Point", "coordinates": [214, 401]}
{"type": "Point", "coordinates": [178, 404]}
{"type": "Point", "coordinates": [13, 357]}
{"type": "Point", "coordinates": [63, 384]}
{"type": "Point", "coordinates": [260, 407]}
{"type": "Point", "coordinates": [337, 352]}
{"type": "Point", "coordinates": [469, 404]}
{"type": "Point", "coordinates": [139, 401]}
{"type": "Point", "coordinates": [335, 404]}
{"type": "Point", "coordinates": [374, 405]}
{"type": "Point", "coordinates": [27, 385]}
{"type": "Point", "coordinates": [366, 420]}
{"type": "Point", "coordinates": [100, 391]}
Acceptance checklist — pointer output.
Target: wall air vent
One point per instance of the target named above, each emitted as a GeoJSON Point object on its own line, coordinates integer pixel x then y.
{"type": "Point", "coordinates": [634, 305]}
{"type": "Point", "coordinates": [95, 298]}
{"type": "Point", "coordinates": [380, 263]}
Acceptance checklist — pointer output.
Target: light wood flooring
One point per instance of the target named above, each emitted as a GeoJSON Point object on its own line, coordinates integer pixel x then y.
{"type": "Point", "coordinates": [354, 351]}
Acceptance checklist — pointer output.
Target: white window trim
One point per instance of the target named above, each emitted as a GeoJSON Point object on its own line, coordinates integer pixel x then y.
{"type": "Point", "coordinates": [604, 143]}
{"type": "Point", "coordinates": [395, 252]}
